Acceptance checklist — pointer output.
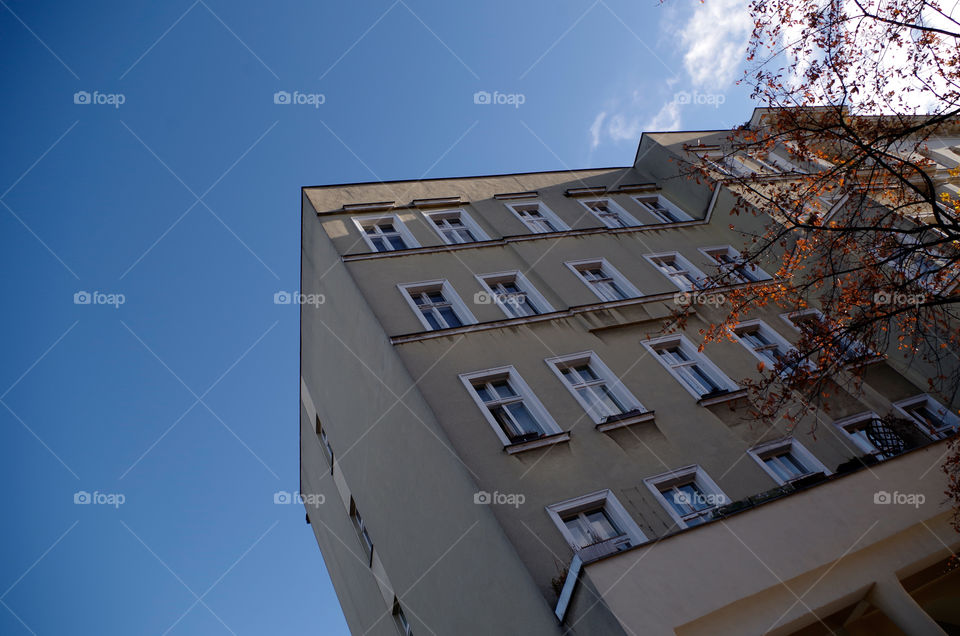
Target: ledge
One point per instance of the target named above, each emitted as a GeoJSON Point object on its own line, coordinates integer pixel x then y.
{"type": "Point", "coordinates": [729, 396]}
{"type": "Point", "coordinates": [546, 440]}
{"type": "Point", "coordinates": [645, 416]}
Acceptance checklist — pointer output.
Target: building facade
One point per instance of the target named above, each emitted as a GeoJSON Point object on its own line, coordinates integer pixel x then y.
{"type": "Point", "coordinates": [505, 440]}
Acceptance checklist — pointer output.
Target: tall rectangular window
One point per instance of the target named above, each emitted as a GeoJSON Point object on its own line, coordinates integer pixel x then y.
{"type": "Point", "coordinates": [594, 386]}
{"type": "Point", "coordinates": [828, 336]}
{"type": "Point", "coordinates": [690, 367]}
{"type": "Point", "coordinates": [662, 209]}
{"type": "Point", "coordinates": [678, 270]}
{"type": "Point", "coordinates": [787, 460]}
{"type": "Point", "coordinates": [933, 417]}
{"type": "Point", "coordinates": [456, 227]}
{"type": "Point", "coordinates": [611, 214]}
{"type": "Point", "coordinates": [732, 266]}
{"type": "Point", "coordinates": [595, 525]}
{"type": "Point", "coordinates": [688, 495]}
{"type": "Point", "coordinates": [767, 345]}
{"type": "Point", "coordinates": [513, 293]}
{"type": "Point", "coordinates": [509, 406]}
{"type": "Point", "coordinates": [605, 281]}
{"type": "Point", "coordinates": [437, 305]}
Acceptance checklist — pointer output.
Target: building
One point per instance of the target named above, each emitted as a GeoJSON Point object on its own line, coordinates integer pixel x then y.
{"type": "Point", "coordinates": [506, 442]}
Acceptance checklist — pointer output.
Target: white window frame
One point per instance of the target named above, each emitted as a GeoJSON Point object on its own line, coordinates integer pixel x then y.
{"type": "Point", "coordinates": [865, 354]}
{"type": "Point", "coordinates": [672, 208]}
{"type": "Point", "coordinates": [360, 527]}
{"type": "Point", "coordinates": [465, 218]}
{"type": "Point", "coordinates": [910, 267]}
{"type": "Point", "coordinates": [604, 499]}
{"type": "Point", "coordinates": [687, 474]}
{"type": "Point", "coordinates": [771, 334]}
{"type": "Point", "coordinates": [362, 221]}
{"type": "Point", "coordinates": [862, 444]}
{"type": "Point", "coordinates": [488, 282]}
{"type": "Point", "coordinates": [689, 268]}
{"type": "Point", "coordinates": [609, 271]}
{"type": "Point", "coordinates": [451, 296]}
{"type": "Point", "coordinates": [763, 452]}
{"type": "Point", "coordinates": [545, 212]}
{"type": "Point", "coordinates": [736, 268]}
{"type": "Point", "coordinates": [627, 219]}
{"type": "Point", "coordinates": [953, 420]}
{"type": "Point", "coordinates": [539, 412]}
{"type": "Point", "coordinates": [716, 375]}
{"type": "Point", "coordinates": [604, 375]}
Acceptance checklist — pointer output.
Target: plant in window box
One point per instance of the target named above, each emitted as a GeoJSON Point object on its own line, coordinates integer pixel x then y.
{"type": "Point", "coordinates": [560, 579]}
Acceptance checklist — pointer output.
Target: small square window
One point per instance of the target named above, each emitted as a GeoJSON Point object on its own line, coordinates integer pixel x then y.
{"type": "Point", "coordinates": [538, 218]}
{"type": "Point", "coordinates": [385, 234]}
{"type": "Point", "coordinates": [610, 213]}
{"type": "Point", "coordinates": [687, 494]}
{"type": "Point", "coordinates": [606, 282]}
{"type": "Point", "coordinates": [596, 525]}
{"type": "Point", "coordinates": [437, 305]}
{"type": "Point", "coordinates": [662, 209]}
{"type": "Point", "coordinates": [787, 460]}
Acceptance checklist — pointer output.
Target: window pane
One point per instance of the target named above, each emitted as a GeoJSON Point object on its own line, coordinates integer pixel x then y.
{"type": "Point", "coordinates": [397, 243]}
{"type": "Point", "coordinates": [601, 527]}
{"type": "Point", "coordinates": [450, 317]}
{"type": "Point", "coordinates": [431, 319]}
{"type": "Point", "coordinates": [503, 389]}
{"type": "Point", "coordinates": [524, 418]}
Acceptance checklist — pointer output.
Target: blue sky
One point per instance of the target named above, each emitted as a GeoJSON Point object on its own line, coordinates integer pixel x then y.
{"type": "Point", "coordinates": [172, 191]}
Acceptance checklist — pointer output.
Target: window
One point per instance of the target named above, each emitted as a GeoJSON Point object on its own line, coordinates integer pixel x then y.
{"type": "Point", "coordinates": [513, 293]}
{"type": "Point", "coordinates": [509, 406]}
{"type": "Point", "coordinates": [679, 270]}
{"type": "Point", "coordinates": [920, 263]}
{"type": "Point", "coordinates": [437, 305]}
{"type": "Point", "coordinates": [731, 265]}
{"type": "Point", "coordinates": [361, 529]}
{"type": "Point", "coordinates": [691, 368]}
{"type": "Point", "coordinates": [606, 282]}
{"type": "Point", "coordinates": [537, 217]}
{"type": "Point", "coordinates": [813, 324]}
{"type": "Point", "coordinates": [596, 525]}
{"type": "Point", "coordinates": [610, 213]}
{"type": "Point", "coordinates": [661, 207]}
{"type": "Point", "coordinates": [402, 623]}
{"type": "Point", "coordinates": [325, 442]}
{"type": "Point", "coordinates": [456, 227]}
{"type": "Point", "coordinates": [767, 345]}
{"type": "Point", "coordinates": [688, 495]}
{"type": "Point", "coordinates": [594, 386]}
{"type": "Point", "coordinates": [385, 234]}
{"type": "Point", "coordinates": [933, 417]}
{"type": "Point", "coordinates": [787, 460]}
{"type": "Point", "coordinates": [866, 430]}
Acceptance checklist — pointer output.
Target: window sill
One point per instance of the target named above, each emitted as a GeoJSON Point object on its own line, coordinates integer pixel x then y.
{"type": "Point", "coordinates": [730, 396]}
{"type": "Point", "coordinates": [644, 416]}
{"type": "Point", "coordinates": [546, 440]}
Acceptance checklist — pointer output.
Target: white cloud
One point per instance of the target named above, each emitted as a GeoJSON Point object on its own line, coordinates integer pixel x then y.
{"type": "Point", "coordinates": [596, 128]}
{"type": "Point", "coordinates": [715, 42]}
{"type": "Point", "coordinates": [668, 118]}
